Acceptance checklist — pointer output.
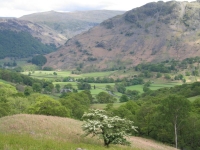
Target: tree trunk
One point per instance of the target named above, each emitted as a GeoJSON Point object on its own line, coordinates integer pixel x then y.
{"type": "Point", "coordinates": [106, 142]}
{"type": "Point", "coordinates": [175, 132]}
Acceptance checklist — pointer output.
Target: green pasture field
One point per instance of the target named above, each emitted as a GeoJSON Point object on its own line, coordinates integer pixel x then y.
{"type": "Point", "coordinates": [21, 62]}
{"type": "Point", "coordinates": [127, 73]}
{"type": "Point", "coordinates": [48, 74]}
{"type": "Point", "coordinates": [191, 99]}
{"type": "Point", "coordinates": [98, 86]}
{"type": "Point", "coordinates": [61, 74]}
{"type": "Point", "coordinates": [98, 74]}
{"type": "Point", "coordinates": [135, 87]}
{"type": "Point", "coordinates": [118, 94]}
{"type": "Point", "coordinates": [94, 92]}
{"type": "Point", "coordinates": [101, 85]}
{"type": "Point", "coordinates": [29, 67]}
{"type": "Point", "coordinates": [62, 84]}
{"type": "Point", "coordinates": [153, 86]}
{"type": "Point", "coordinates": [102, 106]}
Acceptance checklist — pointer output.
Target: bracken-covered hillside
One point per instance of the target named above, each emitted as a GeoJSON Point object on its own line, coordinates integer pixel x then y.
{"type": "Point", "coordinates": [152, 33]}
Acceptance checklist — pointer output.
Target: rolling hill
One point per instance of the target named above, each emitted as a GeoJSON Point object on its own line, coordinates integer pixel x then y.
{"type": "Point", "coordinates": [60, 130]}
{"type": "Point", "coordinates": [155, 32]}
{"type": "Point", "coordinates": [71, 23]}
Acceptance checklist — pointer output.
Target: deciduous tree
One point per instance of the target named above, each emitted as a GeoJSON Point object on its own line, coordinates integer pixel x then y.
{"type": "Point", "coordinates": [48, 106]}
{"type": "Point", "coordinates": [112, 130]}
{"type": "Point", "coordinates": [175, 109]}
{"type": "Point", "coordinates": [104, 97]}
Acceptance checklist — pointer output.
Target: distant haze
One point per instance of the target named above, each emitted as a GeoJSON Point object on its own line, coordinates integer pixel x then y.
{"type": "Point", "coordinates": [18, 8]}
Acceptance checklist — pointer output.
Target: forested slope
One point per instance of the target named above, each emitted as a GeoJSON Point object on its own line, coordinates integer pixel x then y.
{"type": "Point", "coordinates": [21, 44]}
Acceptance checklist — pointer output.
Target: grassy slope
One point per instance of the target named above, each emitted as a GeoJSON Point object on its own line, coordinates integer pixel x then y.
{"type": "Point", "coordinates": [3, 81]}
{"type": "Point", "coordinates": [32, 132]}
{"type": "Point", "coordinates": [193, 98]}
{"type": "Point", "coordinates": [62, 74]}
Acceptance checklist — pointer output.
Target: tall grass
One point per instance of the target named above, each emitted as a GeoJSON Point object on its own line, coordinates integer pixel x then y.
{"type": "Point", "coordinates": [27, 142]}
{"type": "Point", "coordinates": [38, 132]}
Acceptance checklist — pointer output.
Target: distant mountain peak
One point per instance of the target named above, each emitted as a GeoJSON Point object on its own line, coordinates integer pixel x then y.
{"type": "Point", "coordinates": [70, 24]}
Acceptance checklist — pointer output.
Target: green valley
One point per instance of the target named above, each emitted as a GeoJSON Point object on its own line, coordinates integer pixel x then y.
{"type": "Point", "coordinates": [70, 81]}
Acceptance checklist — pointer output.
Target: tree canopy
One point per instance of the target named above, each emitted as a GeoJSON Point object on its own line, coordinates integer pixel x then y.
{"type": "Point", "coordinates": [175, 109]}
{"type": "Point", "coordinates": [112, 130]}
{"type": "Point", "coordinates": [21, 45]}
{"type": "Point", "coordinates": [39, 60]}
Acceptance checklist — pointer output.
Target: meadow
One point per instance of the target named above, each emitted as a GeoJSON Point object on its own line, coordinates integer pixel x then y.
{"type": "Point", "coordinates": [102, 106]}
{"type": "Point", "coordinates": [38, 132]}
{"type": "Point", "coordinates": [61, 74]}
{"type": "Point", "coordinates": [154, 86]}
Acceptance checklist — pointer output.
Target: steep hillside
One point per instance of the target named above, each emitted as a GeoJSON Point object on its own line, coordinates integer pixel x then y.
{"type": "Point", "coordinates": [151, 33]}
{"type": "Point", "coordinates": [43, 33]}
{"type": "Point", "coordinates": [71, 23]}
{"type": "Point", "coordinates": [21, 45]}
{"type": "Point", "coordinates": [62, 130]}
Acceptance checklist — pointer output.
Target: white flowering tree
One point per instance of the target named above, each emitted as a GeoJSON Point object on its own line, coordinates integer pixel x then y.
{"type": "Point", "coordinates": [113, 130]}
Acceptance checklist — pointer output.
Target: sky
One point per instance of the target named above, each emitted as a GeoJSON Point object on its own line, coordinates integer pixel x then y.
{"type": "Point", "coordinates": [18, 8]}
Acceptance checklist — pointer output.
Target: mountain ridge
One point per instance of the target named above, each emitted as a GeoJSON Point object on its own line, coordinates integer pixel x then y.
{"type": "Point", "coordinates": [70, 24]}
{"type": "Point", "coordinates": [47, 39]}
{"type": "Point", "coordinates": [155, 32]}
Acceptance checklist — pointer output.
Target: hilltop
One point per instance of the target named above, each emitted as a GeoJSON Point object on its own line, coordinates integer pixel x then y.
{"type": "Point", "coordinates": [70, 24]}
{"type": "Point", "coordinates": [62, 130]}
{"type": "Point", "coordinates": [155, 32]}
